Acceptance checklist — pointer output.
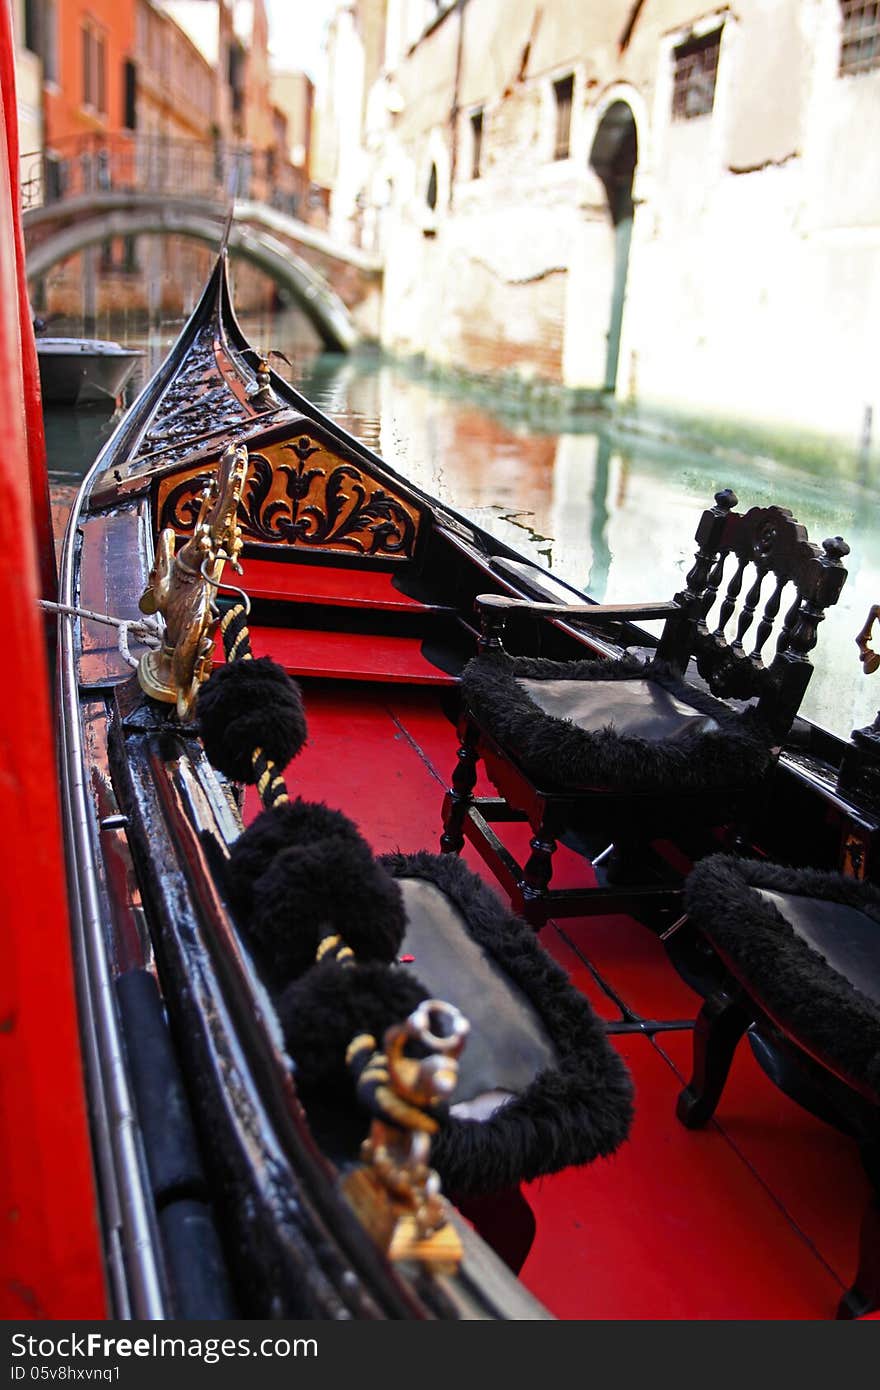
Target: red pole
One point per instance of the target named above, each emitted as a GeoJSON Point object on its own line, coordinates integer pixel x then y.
{"type": "Point", "coordinates": [50, 1251]}
{"type": "Point", "coordinates": [29, 371]}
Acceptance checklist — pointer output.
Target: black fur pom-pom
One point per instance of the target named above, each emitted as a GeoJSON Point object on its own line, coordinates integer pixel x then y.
{"type": "Point", "coordinates": [291, 823]}
{"type": "Point", "coordinates": [302, 870]}
{"type": "Point", "coordinates": [332, 885]}
{"type": "Point", "coordinates": [330, 1005]}
{"type": "Point", "coordinates": [246, 705]}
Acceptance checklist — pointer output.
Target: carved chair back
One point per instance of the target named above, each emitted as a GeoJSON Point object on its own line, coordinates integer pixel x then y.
{"type": "Point", "coordinates": [756, 573]}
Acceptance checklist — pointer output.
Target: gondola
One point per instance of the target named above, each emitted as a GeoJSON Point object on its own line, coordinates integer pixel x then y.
{"type": "Point", "coordinates": [226, 525]}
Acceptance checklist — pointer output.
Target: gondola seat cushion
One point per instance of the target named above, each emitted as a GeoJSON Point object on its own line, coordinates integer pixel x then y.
{"type": "Point", "coordinates": [613, 723]}
{"type": "Point", "coordinates": [540, 1086]}
{"type": "Point", "coordinates": [805, 946]}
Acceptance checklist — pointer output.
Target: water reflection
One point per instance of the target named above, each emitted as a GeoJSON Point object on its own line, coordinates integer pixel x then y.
{"type": "Point", "coordinates": [614, 515]}
{"type": "Point", "coordinates": [74, 437]}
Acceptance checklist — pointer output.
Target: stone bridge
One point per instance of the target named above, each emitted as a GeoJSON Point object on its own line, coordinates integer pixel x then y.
{"type": "Point", "coordinates": [338, 287]}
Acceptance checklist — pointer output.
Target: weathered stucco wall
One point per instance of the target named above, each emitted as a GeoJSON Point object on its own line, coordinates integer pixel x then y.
{"type": "Point", "coordinates": [755, 273]}
{"type": "Point", "coordinates": [753, 284]}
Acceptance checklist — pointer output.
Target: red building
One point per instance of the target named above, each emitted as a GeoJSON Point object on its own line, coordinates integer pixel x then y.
{"type": "Point", "coordinates": [93, 89]}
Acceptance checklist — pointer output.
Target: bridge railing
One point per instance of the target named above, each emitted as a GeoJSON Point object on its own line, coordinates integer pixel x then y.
{"type": "Point", "coordinates": [132, 162]}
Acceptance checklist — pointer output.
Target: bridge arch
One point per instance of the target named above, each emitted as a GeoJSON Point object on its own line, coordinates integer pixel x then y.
{"type": "Point", "coordinates": [309, 290]}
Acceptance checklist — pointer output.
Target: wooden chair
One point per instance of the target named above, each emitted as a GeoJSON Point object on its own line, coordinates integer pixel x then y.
{"type": "Point", "coordinates": [639, 749]}
{"type": "Point", "coordinates": [801, 952]}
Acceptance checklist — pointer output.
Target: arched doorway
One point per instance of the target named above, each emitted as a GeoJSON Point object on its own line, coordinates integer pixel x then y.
{"type": "Point", "coordinates": [613, 157]}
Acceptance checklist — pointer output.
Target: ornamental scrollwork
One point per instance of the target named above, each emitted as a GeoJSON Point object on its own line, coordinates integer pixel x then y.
{"type": "Point", "coordinates": [299, 494]}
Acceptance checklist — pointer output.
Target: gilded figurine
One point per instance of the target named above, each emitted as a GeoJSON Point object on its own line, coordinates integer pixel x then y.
{"type": "Point", "coordinates": [396, 1193]}
{"type": "Point", "coordinates": [182, 586]}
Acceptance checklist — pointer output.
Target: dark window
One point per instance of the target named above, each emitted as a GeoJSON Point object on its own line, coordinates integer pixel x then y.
{"type": "Point", "coordinates": [33, 25]}
{"type": "Point", "coordinates": [476, 143]}
{"type": "Point", "coordinates": [40, 36]}
{"type": "Point", "coordinates": [696, 67]}
{"type": "Point", "coordinates": [859, 36]}
{"type": "Point", "coordinates": [431, 195]}
{"type": "Point", "coordinates": [235, 73]}
{"type": "Point", "coordinates": [563, 90]}
{"type": "Point", "coordinates": [129, 95]}
{"type": "Point", "coordinates": [50, 41]}
{"type": "Point", "coordinates": [56, 178]}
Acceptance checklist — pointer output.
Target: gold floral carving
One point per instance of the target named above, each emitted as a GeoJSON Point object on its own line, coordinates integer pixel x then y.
{"type": "Point", "coordinates": [301, 494]}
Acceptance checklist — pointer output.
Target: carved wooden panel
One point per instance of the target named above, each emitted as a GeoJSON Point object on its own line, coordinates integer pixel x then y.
{"type": "Point", "coordinates": [199, 399]}
{"type": "Point", "coordinates": [300, 494]}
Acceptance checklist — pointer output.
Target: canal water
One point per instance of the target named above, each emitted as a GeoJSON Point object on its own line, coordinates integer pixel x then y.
{"type": "Point", "coordinates": [612, 513]}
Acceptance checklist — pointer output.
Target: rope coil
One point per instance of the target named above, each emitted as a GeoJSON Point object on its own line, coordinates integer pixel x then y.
{"type": "Point", "coordinates": [147, 631]}
{"type": "Point", "coordinates": [271, 786]}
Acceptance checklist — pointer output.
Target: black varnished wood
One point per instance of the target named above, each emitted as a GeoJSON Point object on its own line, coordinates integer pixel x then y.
{"type": "Point", "coordinates": [298, 1251]}
{"type": "Point", "coordinates": [720, 1025]}
{"type": "Point", "coordinates": [114, 569]}
{"type": "Point", "coordinates": [460, 795]}
{"type": "Point", "coordinates": [864, 1294]}
{"type": "Point", "coordinates": [287, 1261]}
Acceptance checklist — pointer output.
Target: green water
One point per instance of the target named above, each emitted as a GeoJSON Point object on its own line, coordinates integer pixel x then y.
{"type": "Point", "coordinates": [610, 511]}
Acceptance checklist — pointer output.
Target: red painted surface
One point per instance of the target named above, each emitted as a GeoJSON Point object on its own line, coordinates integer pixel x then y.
{"type": "Point", "coordinates": [635, 964]}
{"type": "Point", "coordinates": [50, 1258]}
{"type": "Point", "coordinates": [675, 1225]}
{"type": "Point", "coordinates": [28, 376]}
{"type": "Point", "coordinates": [579, 973]}
{"type": "Point", "coordinates": [338, 587]}
{"type": "Point", "coordinates": [794, 1153]}
{"type": "Point", "coordinates": [754, 1218]}
{"type": "Point", "coordinates": [351, 656]}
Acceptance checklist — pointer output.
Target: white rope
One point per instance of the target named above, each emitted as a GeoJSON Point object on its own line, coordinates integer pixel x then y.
{"type": "Point", "coordinates": [147, 630]}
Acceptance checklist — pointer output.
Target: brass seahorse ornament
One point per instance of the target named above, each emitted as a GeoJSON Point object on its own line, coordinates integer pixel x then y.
{"type": "Point", "coordinates": [182, 586]}
{"type": "Point", "coordinates": [395, 1192]}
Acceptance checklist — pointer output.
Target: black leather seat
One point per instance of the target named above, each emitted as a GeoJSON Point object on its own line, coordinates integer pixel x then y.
{"type": "Point", "coordinates": [801, 952]}
{"type": "Point", "coordinates": [508, 1044]}
{"type": "Point", "coordinates": [631, 750]}
{"type": "Point", "coordinates": [540, 1086]}
{"type": "Point", "coordinates": [617, 724]}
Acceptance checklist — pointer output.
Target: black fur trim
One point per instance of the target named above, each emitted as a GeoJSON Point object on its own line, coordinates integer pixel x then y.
{"type": "Point", "coordinates": [296, 822]}
{"type": "Point", "coordinates": [556, 750]}
{"type": "Point", "coordinates": [808, 999]}
{"type": "Point", "coordinates": [330, 885]}
{"type": "Point", "coordinates": [246, 705]}
{"type": "Point", "coordinates": [572, 1113]}
{"type": "Point", "coordinates": [321, 1013]}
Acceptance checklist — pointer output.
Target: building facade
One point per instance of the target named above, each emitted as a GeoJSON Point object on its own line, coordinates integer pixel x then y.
{"type": "Point", "coordinates": [676, 204]}
{"type": "Point", "coordinates": [294, 94]}
{"type": "Point", "coordinates": [35, 48]}
{"type": "Point", "coordinates": [355, 53]}
{"type": "Point", "coordinates": [164, 96]}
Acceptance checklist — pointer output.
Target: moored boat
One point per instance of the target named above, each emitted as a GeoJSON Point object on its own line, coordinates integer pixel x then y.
{"type": "Point", "coordinates": [84, 371]}
{"type": "Point", "coordinates": [362, 588]}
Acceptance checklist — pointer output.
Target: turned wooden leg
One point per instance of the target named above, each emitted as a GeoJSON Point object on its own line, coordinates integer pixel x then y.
{"type": "Point", "coordinates": [864, 1296]}
{"type": "Point", "coordinates": [720, 1024]}
{"type": "Point", "coordinates": [459, 798]}
{"type": "Point", "coordinates": [538, 869]}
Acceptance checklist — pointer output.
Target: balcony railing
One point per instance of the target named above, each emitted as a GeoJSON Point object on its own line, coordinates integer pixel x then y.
{"type": "Point", "coordinates": [133, 162]}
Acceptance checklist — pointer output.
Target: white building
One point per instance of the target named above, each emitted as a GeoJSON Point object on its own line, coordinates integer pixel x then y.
{"type": "Point", "coordinates": [676, 203]}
